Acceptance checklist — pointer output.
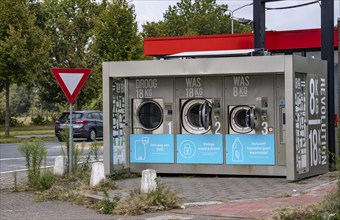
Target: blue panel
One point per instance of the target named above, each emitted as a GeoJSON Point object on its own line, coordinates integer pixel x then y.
{"type": "Point", "coordinates": [152, 148]}
{"type": "Point", "coordinates": [250, 149]}
{"type": "Point", "coordinates": [282, 102]}
{"type": "Point", "coordinates": [199, 149]}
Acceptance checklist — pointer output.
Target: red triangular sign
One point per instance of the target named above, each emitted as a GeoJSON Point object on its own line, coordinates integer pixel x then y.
{"type": "Point", "coordinates": [71, 80]}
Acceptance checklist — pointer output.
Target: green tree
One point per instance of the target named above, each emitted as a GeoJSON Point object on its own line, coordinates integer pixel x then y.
{"type": "Point", "coordinates": [69, 23]}
{"type": "Point", "coordinates": [23, 47]}
{"type": "Point", "coordinates": [199, 17]}
{"type": "Point", "coordinates": [21, 99]}
{"type": "Point", "coordinates": [115, 38]}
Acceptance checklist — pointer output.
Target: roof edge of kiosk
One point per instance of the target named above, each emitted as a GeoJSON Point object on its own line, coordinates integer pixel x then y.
{"type": "Point", "coordinates": [290, 40]}
{"type": "Point", "coordinates": [197, 66]}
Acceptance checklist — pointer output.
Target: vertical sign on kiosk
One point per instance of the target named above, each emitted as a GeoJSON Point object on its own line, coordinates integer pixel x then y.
{"type": "Point", "coordinates": [71, 80]}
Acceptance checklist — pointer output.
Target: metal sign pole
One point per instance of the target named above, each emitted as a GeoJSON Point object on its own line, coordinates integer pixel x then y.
{"type": "Point", "coordinates": [70, 141]}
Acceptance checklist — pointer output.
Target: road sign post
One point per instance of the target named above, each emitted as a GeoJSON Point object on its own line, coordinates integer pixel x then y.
{"type": "Point", "coordinates": [71, 80]}
{"type": "Point", "coordinates": [70, 143]}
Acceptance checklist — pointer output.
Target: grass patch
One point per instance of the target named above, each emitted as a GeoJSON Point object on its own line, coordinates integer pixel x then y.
{"type": "Point", "coordinates": [328, 209]}
{"type": "Point", "coordinates": [25, 131]}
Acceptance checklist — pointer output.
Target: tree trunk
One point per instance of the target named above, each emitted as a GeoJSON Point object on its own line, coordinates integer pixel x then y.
{"type": "Point", "coordinates": [8, 113]}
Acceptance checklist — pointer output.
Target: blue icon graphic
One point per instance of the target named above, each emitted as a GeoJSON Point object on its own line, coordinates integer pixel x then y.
{"type": "Point", "coordinates": [199, 149]}
{"type": "Point", "coordinates": [250, 149]}
{"type": "Point", "coordinates": [152, 148]}
{"type": "Point", "coordinates": [187, 149]}
{"type": "Point", "coordinates": [237, 151]}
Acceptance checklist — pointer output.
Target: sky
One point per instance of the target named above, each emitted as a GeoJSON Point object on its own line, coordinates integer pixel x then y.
{"type": "Point", "coordinates": [306, 17]}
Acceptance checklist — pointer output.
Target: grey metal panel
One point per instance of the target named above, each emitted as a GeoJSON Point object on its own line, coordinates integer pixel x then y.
{"type": "Point", "coordinates": [316, 95]}
{"type": "Point", "coordinates": [310, 67]}
{"type": "Point", "coordinates": [204, 66]}
{"type": "Point", "coordinates": [289, 96]}
{"type": "Point", "coordinates": [128, 121]}
{"type": "Point", "coordinates": [280, 135]}
{"type": "Point", "coordinates": [212, 169]}
{"type": "Point", "coordinates": [107, 122]}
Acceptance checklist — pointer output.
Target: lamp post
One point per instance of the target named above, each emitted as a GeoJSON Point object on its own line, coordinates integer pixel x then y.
{"type": "Point", "coordinates": [232, 15]}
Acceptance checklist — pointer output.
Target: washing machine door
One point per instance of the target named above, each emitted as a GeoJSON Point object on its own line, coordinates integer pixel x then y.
{"type": "Point", "coordinates": [148, 116]}
{"type": "Point", "coordinates": [242, 119]}
{"type": "Point", "coordinates": [196, 116]}
{"type": "Point", "coordinates": [205, 115]}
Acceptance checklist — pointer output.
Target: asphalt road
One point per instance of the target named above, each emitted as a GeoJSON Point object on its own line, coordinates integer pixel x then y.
{"type": "Point", "coordinates": [12, 160]}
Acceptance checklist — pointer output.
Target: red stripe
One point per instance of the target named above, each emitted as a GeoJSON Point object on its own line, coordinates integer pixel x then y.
{"type": "Point", "coordinates": [275, 41]}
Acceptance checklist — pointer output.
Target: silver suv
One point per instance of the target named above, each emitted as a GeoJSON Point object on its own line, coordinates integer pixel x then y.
{"type": "Point", "coordinates": [86, 124]}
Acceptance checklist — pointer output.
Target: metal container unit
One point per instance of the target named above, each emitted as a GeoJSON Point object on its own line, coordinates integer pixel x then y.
{"type": "Point", "coordinates": [260, 115]}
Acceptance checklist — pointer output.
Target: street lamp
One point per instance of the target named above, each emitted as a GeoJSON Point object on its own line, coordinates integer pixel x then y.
{"type": "Point", "coordinates": [232, 15]}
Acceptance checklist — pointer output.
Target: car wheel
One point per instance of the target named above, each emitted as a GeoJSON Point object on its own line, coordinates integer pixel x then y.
{"type": "Point", "coordinates": [92, 135]}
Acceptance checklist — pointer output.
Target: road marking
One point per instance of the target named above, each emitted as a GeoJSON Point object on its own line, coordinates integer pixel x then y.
{"type": "Point", "coordinates": [22, 170]}
{"type": "Point", "coordinates": [20, 158]}
{"type": "Point", "coordinates": [42, 167]}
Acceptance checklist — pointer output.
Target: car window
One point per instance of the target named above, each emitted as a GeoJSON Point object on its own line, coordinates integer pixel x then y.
{"type": "Point", "coordinates": [66, 116]}
{"type": "Point", "coordinates": [89, 116]}
{"type": "Point", "coordinates": [101, 115]}
{"type": "Point", "coordinates": [96, 116]}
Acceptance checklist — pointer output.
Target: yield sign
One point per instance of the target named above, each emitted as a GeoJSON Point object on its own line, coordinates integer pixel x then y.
{"type": "Point", "coordinates": [71, 80]}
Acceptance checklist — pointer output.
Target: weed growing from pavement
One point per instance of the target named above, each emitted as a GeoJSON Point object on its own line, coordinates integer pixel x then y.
{"type": "Point", "coordinates": [163, 198]}
{"type": "Point", "coordinates": [77, 152]}
{"type": "Point", "coordinates": [73, 188]}
{"type": "Point", "coordinates": [328, 209]}
{"type": "Point", "coordinates": [108, 204]}
{"type": "Point", "coordinates": [35, 154]}
{"type": "Point", "coordinates": [95, 147]}
{"type": "Point", "coordinates": [15, 187]}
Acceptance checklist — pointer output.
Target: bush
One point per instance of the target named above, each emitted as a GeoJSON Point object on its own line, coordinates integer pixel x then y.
{"type": "Point", "coordinates": [35, 154]}
{"type": "Point", "coordinates": [39, 120]}
{"type": "Point", "coordinates": [12, 120]}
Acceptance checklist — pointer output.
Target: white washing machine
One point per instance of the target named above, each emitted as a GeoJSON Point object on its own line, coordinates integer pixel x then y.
{"type": "Point", "coordinates": [148, 116]}
{"type": "Point", "coordinates": [242, 119]}
{"type": "Point", "coordinates": [196, 116]}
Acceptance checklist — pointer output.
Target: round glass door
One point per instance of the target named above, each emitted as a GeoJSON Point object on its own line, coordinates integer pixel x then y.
{"type": "Point", "coordinates": [242, 119]}
{"type": "Point", "coordinates": [196, 116]}
{"type": "Point", "coordinates": [150, 115]}
{"type": "Point", "coordinates": [205, 115]}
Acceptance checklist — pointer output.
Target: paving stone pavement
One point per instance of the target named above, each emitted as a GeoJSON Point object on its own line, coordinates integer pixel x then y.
{"type": "Point", "coordinates": [223, 189]}
{"type": "Point", "coordinates": [234, 194]}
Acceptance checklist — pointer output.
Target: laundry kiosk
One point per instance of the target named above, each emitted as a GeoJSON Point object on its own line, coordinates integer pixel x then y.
{"type": "Point", "coordinates": [248, 115]}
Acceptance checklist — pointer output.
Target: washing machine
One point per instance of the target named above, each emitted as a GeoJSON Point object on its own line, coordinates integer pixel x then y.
{"type": "Point", "coordinates": [242, 119]}
{"type": "Point", "coordinates": [196, 116]}
{"type": "Point", "coordinates": [151, 139]}
{"type": "Point", "coordinates": [148, 116]}
{"type": "Point", "coordinates": [199, 138]}
{"type": "Point", "coordinates": [198, 101]}
{"type": "Point", "coordinates": [151, 105]}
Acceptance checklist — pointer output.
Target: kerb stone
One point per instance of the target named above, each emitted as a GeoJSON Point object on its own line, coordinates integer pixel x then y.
{"type": "Point", "coordinates": [97, 173]}
{"type": "Point", "coordinates": [59, 165]}
{"type": "Point", "coordinates": [148, 182]}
